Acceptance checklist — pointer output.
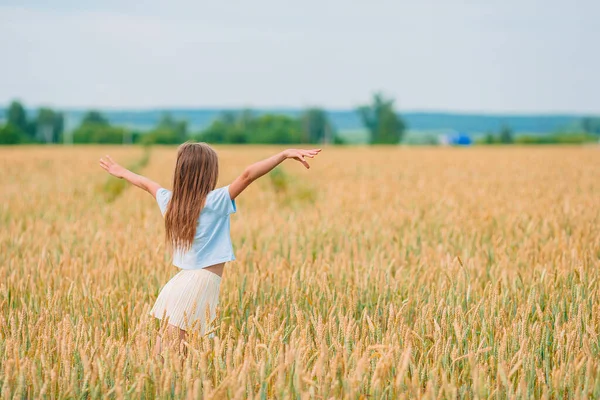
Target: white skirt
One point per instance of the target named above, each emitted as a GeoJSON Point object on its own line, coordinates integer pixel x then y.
{"type": "Point", "coordinates": [189, 299]}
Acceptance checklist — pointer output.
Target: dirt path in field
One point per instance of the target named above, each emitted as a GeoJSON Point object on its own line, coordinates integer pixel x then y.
{"type": "Point", "coordinates": [113, 188]}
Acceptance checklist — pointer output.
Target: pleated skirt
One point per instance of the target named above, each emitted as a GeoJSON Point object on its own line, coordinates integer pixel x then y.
{"type": "Point", "coordinates": [189, 300]}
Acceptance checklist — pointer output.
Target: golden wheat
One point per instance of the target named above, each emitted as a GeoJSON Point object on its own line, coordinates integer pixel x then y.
{"type": "Point", "coordinates": [380, 273]}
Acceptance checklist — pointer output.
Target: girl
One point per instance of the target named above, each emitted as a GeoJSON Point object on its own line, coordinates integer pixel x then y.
{"type": "Point", "coordinates": [197, 229]}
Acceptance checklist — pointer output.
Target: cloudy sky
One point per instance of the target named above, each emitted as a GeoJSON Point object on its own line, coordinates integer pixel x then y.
{"type": "Point", "coordinates": [482, 56]}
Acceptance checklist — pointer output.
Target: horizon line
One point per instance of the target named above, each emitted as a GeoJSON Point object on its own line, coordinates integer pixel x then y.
{"type": "Point", "coordinates": [301, 108]}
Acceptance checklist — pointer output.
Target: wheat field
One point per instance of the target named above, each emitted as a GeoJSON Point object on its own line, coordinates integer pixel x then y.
{"type": "Point", "coordinates": [378, 273]}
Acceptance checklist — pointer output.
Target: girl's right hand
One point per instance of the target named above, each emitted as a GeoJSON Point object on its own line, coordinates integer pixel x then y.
{"type": "Point", "coordinates": [299, 154]}
{"type": "Point", "coordinates": [110, 166]}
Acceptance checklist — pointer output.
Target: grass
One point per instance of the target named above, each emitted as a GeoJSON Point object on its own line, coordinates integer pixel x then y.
{"type": "Point", "coordinates": [413, 272]}
{"type": "Point", "coordinates": [290, 190]}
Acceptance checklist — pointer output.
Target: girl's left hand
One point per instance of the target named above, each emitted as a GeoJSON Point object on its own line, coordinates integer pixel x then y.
{"type": "Point", "coordinates": [112, 167]}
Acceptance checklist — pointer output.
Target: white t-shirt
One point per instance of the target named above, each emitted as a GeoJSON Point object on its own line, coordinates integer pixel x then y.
{"type": "Point", "coordinates": [212, 240]}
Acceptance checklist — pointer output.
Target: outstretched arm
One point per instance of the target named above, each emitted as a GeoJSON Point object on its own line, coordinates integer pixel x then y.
{"type": "Point", "coordinates": [260, 168]}
{"type": "Point", "coordinates": [120, 172]}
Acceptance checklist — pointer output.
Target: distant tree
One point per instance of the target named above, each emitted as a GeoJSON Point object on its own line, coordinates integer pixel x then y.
{"type": "Point", "coordinates": [97, 133]}
{"type": "Point", "coordinates": [11, 134]}
{"type": "Point", "coordinates": [337, 139]}
{"type": "Point", "coordinates": [214, 133]}
{"type": "Point", "coordinates": [161, 136]}
{"type": "Point", "coordinates": [379, 117]}
{"type": "Point", "coordinates": [489, 138]}
{"type": "Point", "coordinates": [239, 125]}
{"type": "Point", "coordinates": [230, 127]}
{"type": "Point", "coordinates": [277, 129]}
{"type": "Point", "coordinates": [49, 125]}
{"type": "Point", "coordinates": [228, 118]}
{"type": "Point", "coordinates": [133, 137]}
{"type": "Point", "coordinates": [506, 135]}
{"type": "Point", "coordinates": [17, 117]}
{"type": "Point", "coordinates": [167, 131]}
{"type": "Point", "coordinates": [245, 127]}
{"type": "Point", "coordinates": [167, 122]}
{"type": "Point", "coordinates": [95, 128]}
{"type": "Point", "coordinates": [94, 117]}
{"type": "Point", "coordinates": [245, 118]}
{"type": "Point", "coordinates": [591, 125]}
{"type": "Point", "coordinates": [316, 127]}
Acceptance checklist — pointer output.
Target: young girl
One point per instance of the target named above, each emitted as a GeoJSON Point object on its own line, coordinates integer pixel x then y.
{"type": "Point", "coordinates": [197, 229]}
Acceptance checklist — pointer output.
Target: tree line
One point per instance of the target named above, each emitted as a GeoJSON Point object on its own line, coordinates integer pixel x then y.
{"type": "Point", "coordinates": [383, 123]}
{"type": "Point", "coordinates": [385, 126]}
{"type": "Point", "coordinates": [588, 131]}
{"type": "Point", "coordinates": [46, 127]}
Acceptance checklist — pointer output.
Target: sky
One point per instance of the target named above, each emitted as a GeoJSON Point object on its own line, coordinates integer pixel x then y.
{"type": "Point", "coordinates": [493, 56]}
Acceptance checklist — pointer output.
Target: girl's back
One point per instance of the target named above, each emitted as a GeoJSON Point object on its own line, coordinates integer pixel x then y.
{"type": "Point", "coordinates": [212, 239]}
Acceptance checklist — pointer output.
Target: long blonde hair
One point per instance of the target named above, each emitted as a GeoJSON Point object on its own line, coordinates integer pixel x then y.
{"type": "Point", "coordinates": [196, 174]}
